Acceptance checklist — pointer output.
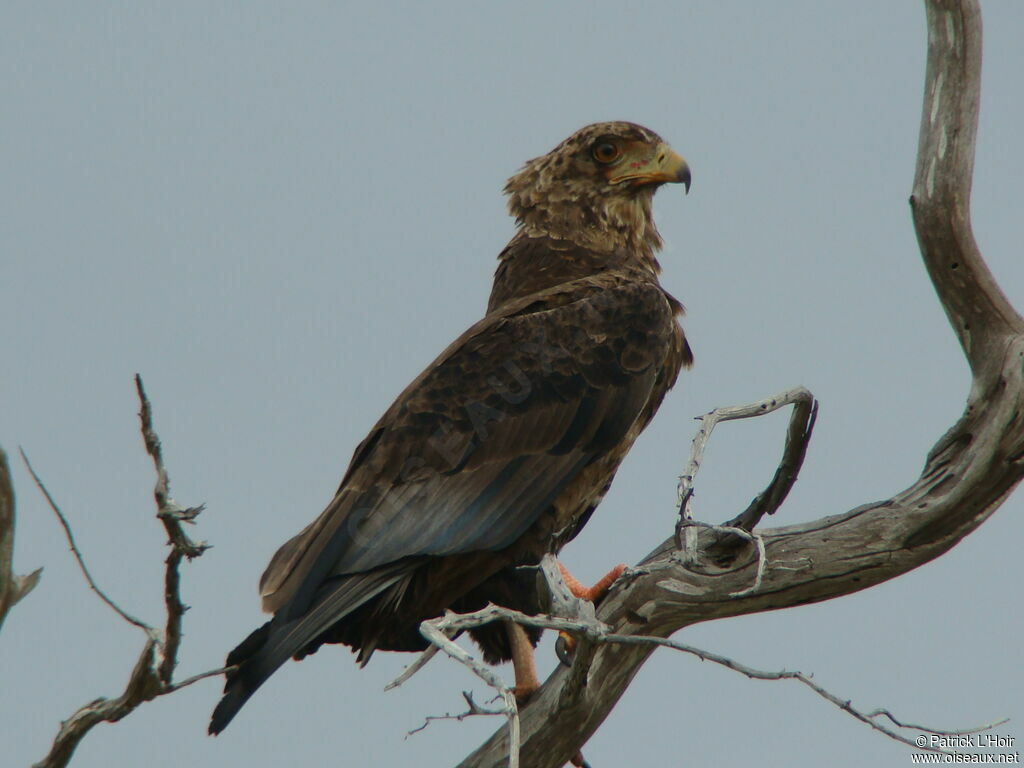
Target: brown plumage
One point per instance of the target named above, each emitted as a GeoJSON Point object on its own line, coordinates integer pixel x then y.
{"type": "Point", "coordinates": [502, 448]}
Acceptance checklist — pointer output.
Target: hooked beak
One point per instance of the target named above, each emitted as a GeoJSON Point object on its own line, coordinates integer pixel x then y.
{"type": "Point", "coordinates": [664, 166]}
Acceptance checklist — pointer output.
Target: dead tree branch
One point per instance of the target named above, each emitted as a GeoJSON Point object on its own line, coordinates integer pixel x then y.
{"type": "Point", "coordinates": [152, 675]}
{"type": "Point", "coordinates": [439, 632]}
{"type": "Point", "coordinates": [473, 710]}
{"type": "Point", "coordinates": [12, 586]}
{"type": "Point", "coordinates": [172, 515]}
{"type": "Point", "coordinates": [967, 474]}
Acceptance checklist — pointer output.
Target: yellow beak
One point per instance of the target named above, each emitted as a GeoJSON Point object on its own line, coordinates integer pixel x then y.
{"type": "Point", "coordinates": [663, 166]}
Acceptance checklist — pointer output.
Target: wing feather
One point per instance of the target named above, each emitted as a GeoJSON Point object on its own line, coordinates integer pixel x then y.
{"type": "Point", "coordinates": [479, 445]}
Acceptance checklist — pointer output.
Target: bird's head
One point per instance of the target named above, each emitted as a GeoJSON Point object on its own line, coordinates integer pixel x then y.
{"type": "Point", "coordinates": [595, 188]}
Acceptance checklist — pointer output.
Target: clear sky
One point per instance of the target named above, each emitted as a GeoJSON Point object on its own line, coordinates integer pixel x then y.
{"type": "Point", "coordinates": [279, 213]}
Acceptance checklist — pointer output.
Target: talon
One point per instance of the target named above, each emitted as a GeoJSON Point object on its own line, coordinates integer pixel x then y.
{"type": "Point", "coordinates": [565, 648]}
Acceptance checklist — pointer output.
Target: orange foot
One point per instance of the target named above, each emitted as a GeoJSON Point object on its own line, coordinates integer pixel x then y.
{"type": "Point", "coordinates": [596, 592]}
{"type": "Point", "coordinates": [566, 644]}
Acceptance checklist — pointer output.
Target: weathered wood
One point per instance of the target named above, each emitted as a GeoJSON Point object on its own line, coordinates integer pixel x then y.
{"type": "Point", "coordinates": [968, 474]}
{"type": "Point", "coordinates": [12, 586]}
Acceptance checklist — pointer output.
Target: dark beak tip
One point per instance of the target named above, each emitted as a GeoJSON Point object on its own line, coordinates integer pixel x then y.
{"type": "Point", "coordinates": [684, 178]}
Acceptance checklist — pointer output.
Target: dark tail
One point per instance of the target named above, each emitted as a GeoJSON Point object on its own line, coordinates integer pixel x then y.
{"type": "Point", "coordinates": [260, 655]}
{"type": "Point", "coordinates": [241, 683]}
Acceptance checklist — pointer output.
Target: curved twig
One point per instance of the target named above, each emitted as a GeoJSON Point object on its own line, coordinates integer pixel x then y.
{"type": "Point", "coordinates": [798, 436]}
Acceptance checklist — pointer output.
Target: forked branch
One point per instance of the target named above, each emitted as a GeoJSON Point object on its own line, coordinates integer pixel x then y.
{"type": "Point", "coordinates": [153, 672]}
{"type": "Point", "coordinates": [439, 632]}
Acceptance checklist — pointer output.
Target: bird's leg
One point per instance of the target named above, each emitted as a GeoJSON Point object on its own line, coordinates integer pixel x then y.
{"type": "Point", "coordinates": [522, 662]}
{"type": "Point", "coordinates": [566, 643]}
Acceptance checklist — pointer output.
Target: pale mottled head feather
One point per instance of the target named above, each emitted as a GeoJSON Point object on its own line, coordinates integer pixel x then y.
{"type": "Point", "coordinates": [566, 194]}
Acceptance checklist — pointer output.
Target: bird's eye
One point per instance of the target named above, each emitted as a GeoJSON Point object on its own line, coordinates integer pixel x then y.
{"type": "Point", "coordinates": [606, 152]}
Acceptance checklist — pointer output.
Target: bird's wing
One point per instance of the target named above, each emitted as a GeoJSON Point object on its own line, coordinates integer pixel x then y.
{"type": "Point", "coordinates": [483, 441]}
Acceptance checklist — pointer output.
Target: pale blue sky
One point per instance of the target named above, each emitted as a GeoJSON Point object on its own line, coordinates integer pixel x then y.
{"type": "Point", "coordinates": [278, 214]}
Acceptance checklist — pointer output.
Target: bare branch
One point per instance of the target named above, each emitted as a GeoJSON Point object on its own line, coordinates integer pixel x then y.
{"type": "Point", "coordinates": [143, 685]}
{"type": "Point", "coordinates": [195, 679]}
{"type": "Point", "coordinates": [170, 512]}
{"type": "Point", "coordinates": [154, 669]}
{"type": "Point", "coordinates": [12, 586]}
{"type": "Point", "coordinates": [797, 438]}
{"type": "Point", "coordinates": [915, 727]}
{"type": "Point", "coordinates": [412, 669]}
{"type": "Point", "coordinates": [439, 630]}
{"type": "Point", "coordinates": [452, 623]}
{"type": "Point", "coordinates": [171, 515]}
{"type": "Point", "coordinates": [474, 710]}
{"type": "Point", "coordinates": [757, 674]}
{"type": "Point", "coordinates": [981, 315]}
{"type": "Point", "coordinates": [436, 631]}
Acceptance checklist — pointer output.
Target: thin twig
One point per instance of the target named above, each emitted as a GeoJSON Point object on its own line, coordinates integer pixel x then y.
{"type": "Point", "coordinates": [926, 729]}
{"type": "Point", "coordinates": [797, 436]}
{"type": "Point", "coordinates": [412, 669]}
{"type": "Point", "coordinates": [757, 674]}
{"type": "Point", "coordinates": [171, 515]}
{"type": "Point", "coordinates": [154, 669]}
{"type": "Point", "coordinates": [438, 631]}
{"type": "Point", "coordinates": [170, 512]}
{"type": "Point", "coordinates": [78, 554]}
{"type": "Point", "coordinates": [453, 623]}
{"type": "Point", "coordinates": [474, 710]}
{"type": "Point", "coordinates": [194, 679]}
{"type": "Point", "coordinates": [435, 631]}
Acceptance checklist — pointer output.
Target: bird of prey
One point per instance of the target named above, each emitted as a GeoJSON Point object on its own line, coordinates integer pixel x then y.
{"type": "Point", "coordinates": [500, 450]}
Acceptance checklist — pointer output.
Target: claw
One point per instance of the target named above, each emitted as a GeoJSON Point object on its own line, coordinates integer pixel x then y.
{"type": "Point", "coordinates": [565, 647]}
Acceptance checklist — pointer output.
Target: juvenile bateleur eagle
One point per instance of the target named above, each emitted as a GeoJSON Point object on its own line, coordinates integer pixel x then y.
{"type": "Point", "coordinates": [501, 449]}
